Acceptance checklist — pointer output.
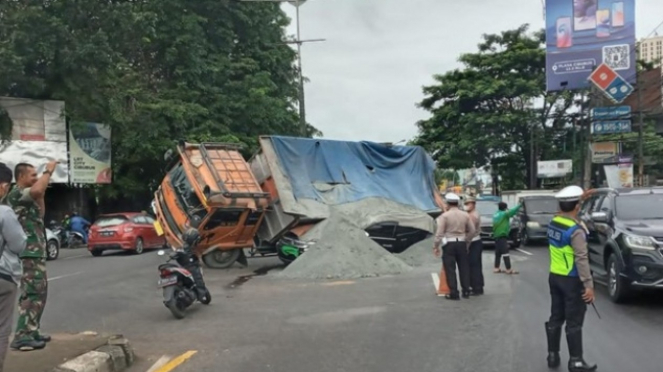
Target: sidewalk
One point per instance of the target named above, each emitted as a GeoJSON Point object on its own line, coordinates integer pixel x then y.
{"type": "Point", "coordinates": [63, 347]}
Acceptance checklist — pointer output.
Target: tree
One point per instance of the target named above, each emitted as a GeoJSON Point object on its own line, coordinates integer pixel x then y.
{"type": "Point", "coordinates": [156, 72]}
{"type": "Point", "coordinates": [495, 109]}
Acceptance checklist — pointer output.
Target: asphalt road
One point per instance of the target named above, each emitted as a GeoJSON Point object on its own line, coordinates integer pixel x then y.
{"type": "Point", "coordinates": [379, 324]}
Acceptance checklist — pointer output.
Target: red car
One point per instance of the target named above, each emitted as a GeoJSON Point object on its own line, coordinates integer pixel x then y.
{"type": "Point", "coordinates": [126, 231]}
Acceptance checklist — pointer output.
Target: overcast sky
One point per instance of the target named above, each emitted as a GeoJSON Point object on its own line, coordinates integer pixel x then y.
{"type": "Point", "coordinates": [367, 77]}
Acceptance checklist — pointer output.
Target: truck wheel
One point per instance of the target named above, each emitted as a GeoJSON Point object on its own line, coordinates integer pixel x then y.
{"type": "Point", "coordinates": [525, 237]}
{"type": "Point", "coordinates": [218, 259]}
{"type": "Point", "coordinates": [618, 288]}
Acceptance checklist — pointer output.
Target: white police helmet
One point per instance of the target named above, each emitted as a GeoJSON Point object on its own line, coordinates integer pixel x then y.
{"type": "Point", "coordinates": [451, 197]}
{"type": "Point", "coordinates": [570, 194]}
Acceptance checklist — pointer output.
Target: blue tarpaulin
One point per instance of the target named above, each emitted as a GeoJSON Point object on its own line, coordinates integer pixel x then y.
{"type": "Point", "coordinates": [337, 172]}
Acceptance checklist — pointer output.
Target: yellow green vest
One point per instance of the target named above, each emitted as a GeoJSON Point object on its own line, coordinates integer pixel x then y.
{"type": "Point", "coordinates": [562, 259]}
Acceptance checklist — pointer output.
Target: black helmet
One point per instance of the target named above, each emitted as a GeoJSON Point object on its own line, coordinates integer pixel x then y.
{"type": "Point", "coordinates": [190, 236]}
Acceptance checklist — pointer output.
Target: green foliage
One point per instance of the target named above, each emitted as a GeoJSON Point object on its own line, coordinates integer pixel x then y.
{"type": "Point", "coordinates": [156, 72]}
{"type": "Point", "coordinates": [495, 108]}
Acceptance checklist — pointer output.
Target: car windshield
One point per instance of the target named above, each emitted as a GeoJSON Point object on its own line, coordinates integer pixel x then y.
{"type": "Point", "coordinates": [486, 208]}
{"type": "Point", "coordinates": [541, 206]}
{"type": "Point", "coordinates": [109, 221]}
{"type": "Point", "coordinates": [186, 195]}
{"type": "Point", "coordinates": [639, 207]}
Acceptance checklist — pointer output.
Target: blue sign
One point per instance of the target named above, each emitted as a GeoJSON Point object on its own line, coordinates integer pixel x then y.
{"type": "Point", "coordinates": [611, 113]}
{"type": "Point", "coordinates": [618, 90]}
{"type": "Point", "coordinates": [611, 127]}
{"type": "Point", "coordinates": [582, 34]}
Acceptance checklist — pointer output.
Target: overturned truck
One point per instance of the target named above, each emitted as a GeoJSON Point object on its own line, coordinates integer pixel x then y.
{"type": "Point", "coordinates": [270, 203]}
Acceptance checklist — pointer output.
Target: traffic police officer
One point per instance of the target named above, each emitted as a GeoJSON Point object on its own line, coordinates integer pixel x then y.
{"type": "Point", "coordinates": [453, 226]}
{"type": "Point", "coordinates": [475, 247]}
{"type": "Point", "coordinates": [570, 280]}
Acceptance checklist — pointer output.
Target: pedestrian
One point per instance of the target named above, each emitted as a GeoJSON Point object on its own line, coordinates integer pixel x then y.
{"type": "Point", "coordinates": [27, 200]}
{"type": "Point", "coordinates": [570, 280]}
{"type": "Point", "coordinates": [453, 226]}
{"type": "Point", "coordinates": [501, 229]}
{"type": "Point", "coordinates": [475, 248]}
{"type": "Point", "coordinates": [12, 244]}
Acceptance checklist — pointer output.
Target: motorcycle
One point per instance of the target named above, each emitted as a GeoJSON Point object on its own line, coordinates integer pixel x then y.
{"type": "Point", "coordinates": [75, 238]}
{"type": "Point", "coordinates": [182, 281]}
{"type": "Point", "coordinates": [61, 233]}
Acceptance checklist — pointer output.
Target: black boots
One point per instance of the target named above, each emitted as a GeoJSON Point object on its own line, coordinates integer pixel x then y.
{"type": "Point", "coordinates": [576, 362]}
{"type": "Point", "coordinates": [554, 338]}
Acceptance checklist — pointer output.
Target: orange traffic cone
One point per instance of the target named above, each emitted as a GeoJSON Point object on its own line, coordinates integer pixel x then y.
{"type": "Point", "coordinates": [443, 287]}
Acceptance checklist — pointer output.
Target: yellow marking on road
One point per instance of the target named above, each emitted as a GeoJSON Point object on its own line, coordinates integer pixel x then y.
{"type": "Point", "coordinates": [176, 362]}
{"type": "Point", "coordinates": [340, 282]}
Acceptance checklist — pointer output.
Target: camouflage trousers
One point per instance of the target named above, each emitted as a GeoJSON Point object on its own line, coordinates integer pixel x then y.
{"type": "Point", "coordinates": [34, 289]}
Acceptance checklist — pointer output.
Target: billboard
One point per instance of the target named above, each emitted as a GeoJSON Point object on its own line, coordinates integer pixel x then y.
{"type": "Point", "coordinates": [554, 168]}
{"type": "Point", "coordinates": [582, 34]}
{"type": "Point", "coordinates": [38, 135]}
{"type": "Point", "coordinates": [601, 151]}
{"type": "Point", "coordinates": [90, 154]}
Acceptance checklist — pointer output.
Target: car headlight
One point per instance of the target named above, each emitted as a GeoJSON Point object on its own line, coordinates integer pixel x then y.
{"type": "Point", "coordinates": [533, 224]}
{"type": "Point", "coordinates": [639, 242]}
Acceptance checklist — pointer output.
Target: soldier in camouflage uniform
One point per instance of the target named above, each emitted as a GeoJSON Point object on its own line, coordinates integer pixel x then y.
{"type": "Point", "coordinates": [27, 200]}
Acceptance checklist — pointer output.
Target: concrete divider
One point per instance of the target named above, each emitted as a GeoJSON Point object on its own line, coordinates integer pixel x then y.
{"type": "Point", "coordinates": [116, 356]}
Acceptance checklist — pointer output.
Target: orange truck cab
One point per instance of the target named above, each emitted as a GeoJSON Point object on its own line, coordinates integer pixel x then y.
{"type": "Point", "coordinates": [212, 183]}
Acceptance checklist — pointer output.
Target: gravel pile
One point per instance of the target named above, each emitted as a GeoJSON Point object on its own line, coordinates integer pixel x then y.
{"type": "Point", "coordinates": [343, 251]}
{"type": "Point", "coordinates": [419, 253]}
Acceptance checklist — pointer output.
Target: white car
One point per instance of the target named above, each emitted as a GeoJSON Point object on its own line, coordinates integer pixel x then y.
{"type": "Point", "coordinates": [52, 245]}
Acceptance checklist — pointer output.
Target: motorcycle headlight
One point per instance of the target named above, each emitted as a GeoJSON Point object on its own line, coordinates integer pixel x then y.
{"type": "Point", "coordinates": [533, 224]}
{"type": "Point", "coordinates": [639, 242]}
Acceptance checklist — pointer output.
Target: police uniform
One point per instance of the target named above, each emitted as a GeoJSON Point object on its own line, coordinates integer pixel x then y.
{"type": "Point", "coordinates": [453, 226]}
{"type": "Point", "coordinates": [569, 277]}
{"type": "Point", "coordinates": [475, 248]}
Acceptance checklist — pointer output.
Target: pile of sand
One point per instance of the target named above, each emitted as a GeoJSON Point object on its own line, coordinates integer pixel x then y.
{"type": "Point", "coordinates": [342, 250]}
{"type": "Point", "coordinates": [419, 254]}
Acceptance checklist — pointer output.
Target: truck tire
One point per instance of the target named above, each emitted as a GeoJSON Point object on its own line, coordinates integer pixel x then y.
{"type": "Point", "coordinates": [218, 259]}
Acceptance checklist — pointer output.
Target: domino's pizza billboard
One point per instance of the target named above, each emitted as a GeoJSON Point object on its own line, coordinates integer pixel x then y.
{"type": "Point", "coordinates": [582, 34]}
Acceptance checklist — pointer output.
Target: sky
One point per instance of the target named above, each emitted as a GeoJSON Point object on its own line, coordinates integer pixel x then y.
{"type": "Point", "coordinates": [367, 77]}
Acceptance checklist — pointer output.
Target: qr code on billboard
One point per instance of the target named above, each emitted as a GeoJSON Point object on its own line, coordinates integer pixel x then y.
{"type": "Point", "coordinates": [617, 56]}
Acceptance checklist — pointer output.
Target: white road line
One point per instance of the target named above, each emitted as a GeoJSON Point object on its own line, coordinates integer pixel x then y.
{"type": "Point", "coordinates": [436, 281]}
{"type": "Point", "coordinates": [63, 276]}
{"type": "Point", "coordinates": [69, 258]}
{"type": "Point", "coordinates": [159, 363]}
{"type": "Point", "coordinates": [524, 251]}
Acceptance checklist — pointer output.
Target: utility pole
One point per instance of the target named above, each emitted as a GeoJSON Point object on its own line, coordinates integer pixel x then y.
{"type": "Point", "coordinates": [299, 42]}
{"type": "Point", "coordinates": [587, 150]}
{"type": "Point", "coordinates": [641, 125]}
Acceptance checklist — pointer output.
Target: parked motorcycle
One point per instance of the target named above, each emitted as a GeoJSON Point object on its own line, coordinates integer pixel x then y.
{"type": "Point", "coordinates": [182, 281]}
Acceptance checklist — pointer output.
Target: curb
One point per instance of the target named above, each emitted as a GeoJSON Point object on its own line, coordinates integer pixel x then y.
{"type": "Point", "coordinates": [116, 356]}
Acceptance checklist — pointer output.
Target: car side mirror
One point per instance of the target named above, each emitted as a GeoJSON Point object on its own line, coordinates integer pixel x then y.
{"type": "Point", "coordinates": [600, 217]}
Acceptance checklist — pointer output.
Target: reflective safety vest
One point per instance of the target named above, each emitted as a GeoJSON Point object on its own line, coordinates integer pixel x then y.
{"type": "Point", "coordinates": [562, 259]}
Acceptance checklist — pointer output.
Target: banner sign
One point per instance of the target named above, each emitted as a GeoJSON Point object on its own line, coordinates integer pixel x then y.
{"type": "Point", "coordinates": [611, 120]}
{"type": "Point", "coordinates": [619, 175]}
{"type": "Point", "coordinates": [554, 168]}
{"type": "Point", "coordinates": [90, 154]}
{"type": "Point", "coordinates": [604, 150]}
{"type": "Point", "coordinates": [583, 34]}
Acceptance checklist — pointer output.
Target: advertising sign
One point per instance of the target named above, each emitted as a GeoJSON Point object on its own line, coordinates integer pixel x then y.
{"type": "Point", "coordinates": [583, 34]}
{"type": "Point", "coordinates": [611, 113]}
{"type": "Point", "coordinates": [38, 135]}
{"type": "Point", "coordinates": [554, 168]}
{"type": "Point", "coordinates": [619, 175]}
{"type": "Point", "coordinates": [90, 154]}
{"type": "Point", "coordinates": [604, 150]}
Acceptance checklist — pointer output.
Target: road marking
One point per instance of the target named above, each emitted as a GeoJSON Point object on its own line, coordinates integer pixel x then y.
{"type": "Point", "coordinates": [524, 251]}
{"type": "Point", "coordinates": [340, 282]}
{"type": "Point", "coordinates": [436, 281]}
{"type": "Point", "coordinates": [63, 276]}
{"type": "Point", "coordinates": [69, 258]}
{"type": "Point", "coordinates": [159, 363]}
{"type": "Point", "coordinates": [176, 362]}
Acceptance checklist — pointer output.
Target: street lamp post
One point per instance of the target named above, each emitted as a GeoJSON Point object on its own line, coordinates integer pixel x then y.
{"type": "Point", "coordinates": [299, 42]}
